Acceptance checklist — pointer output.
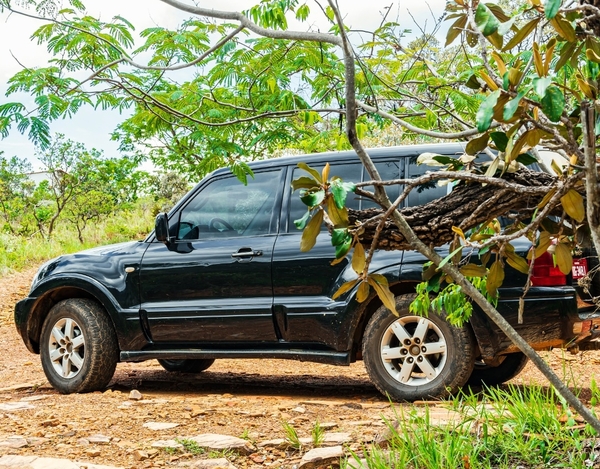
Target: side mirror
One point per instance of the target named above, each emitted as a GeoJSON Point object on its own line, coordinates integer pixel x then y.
{"type": "Point", "coordinates": [161, 228]}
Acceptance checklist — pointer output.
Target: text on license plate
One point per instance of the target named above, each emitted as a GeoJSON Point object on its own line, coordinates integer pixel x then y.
{"type": "Point", "coordinates": [579, 269]}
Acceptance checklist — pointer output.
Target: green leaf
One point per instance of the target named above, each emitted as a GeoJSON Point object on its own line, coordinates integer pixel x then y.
{"type": "Point", "coordinates": [358, 258]}
{"type": "Point", "coordinates": [500, 140]}
{"type": "Point", "coordinates": [363, 291]}
{"type": "Point", "coordinates": [506, 26]}
{"type": "Point", "coordinates": [521, 34]}
{"type": "Point", "coordinates": [485, 20]}
{"type": "Point", "coordinates": [342, 249]}
{"type": "Point", "coordinates": [477, 144]}
{"type": "Point", "coordinates": [511, 107]}
{"type": "Point", "coordinates": [338, 216]}
{"type": "Point", "coordinates": [301, 222]}
{"type": "Point", "coordinates": [312, 199]}
{"type": "Point", "coordinates": [347, 286]}
{"type": "Point", "coordinates": [312, 171]}
{"type": "Point", "coordinates": [551, 8]}
{"type": "Point", "coordinates": [473, 270]}
{"type": "Point", "coordinates": [339, 190]}
{"type": "Point", "coordinates": [310, 233]}
{"type": "Point", "coordinates": [382, 288]}
{"type": "Point", "coordinates": [486, 110]}
{"type": "Point", "coordinates": [553, 103]}
{"type": "Point", "coordinates": [563, 258]}
{"type": "Point", "coordinates": [573, 204]}
{"type": "Point", "coordinates": [495, 278]}
{"type": "Point", "coordinates": [540, 85]}
{"type": "Point", "coordinates": [338, 236]}
{"type": "Point", "coordinates": [456, 28]}
{"type": "Point", "coordinates": [304, 182]}
{"type": "Point", "coordinates": [517, 262]}
{"type": "Point", "coordinates": [526, 159]}
{"type": "Point", "coordinates": [449, 256]}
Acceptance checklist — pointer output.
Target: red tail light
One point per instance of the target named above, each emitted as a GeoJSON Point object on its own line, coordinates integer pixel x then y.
{"type": "Point", "coordinates": [545, 273]}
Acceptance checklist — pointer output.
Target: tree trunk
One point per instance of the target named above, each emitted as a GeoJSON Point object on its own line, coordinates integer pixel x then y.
{"type": "Point", "coordinates": [466, 206]}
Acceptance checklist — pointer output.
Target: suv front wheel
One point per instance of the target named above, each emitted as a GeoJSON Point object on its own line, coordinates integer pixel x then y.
{"type": "Point", "coordinates": [78, 346]}
{"type": "Point", "coordinates": [412, 357]}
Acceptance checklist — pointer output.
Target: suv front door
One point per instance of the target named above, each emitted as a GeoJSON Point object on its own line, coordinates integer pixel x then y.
{"type": "Point", "coordinates": [213, 283]}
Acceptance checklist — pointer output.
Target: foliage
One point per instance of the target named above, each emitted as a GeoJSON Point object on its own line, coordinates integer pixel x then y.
{"type": "Point", "coordinates": [291, 435]}
{"type": "Point", "coordinates": [18, 252]}
{"type": "Point", "coordinates": [498, 428]}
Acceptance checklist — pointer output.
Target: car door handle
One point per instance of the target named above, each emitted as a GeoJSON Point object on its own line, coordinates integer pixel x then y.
{"type": "Point", "coordinates": [246, 252]}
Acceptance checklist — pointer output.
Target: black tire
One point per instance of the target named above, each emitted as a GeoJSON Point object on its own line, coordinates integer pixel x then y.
{"type": "Point", "coordinates": [510, 367]}
{"type": "Point", "coordinates": [449, 369]}
{"type": "Point", "coordinates": [187, 366]}
{"type": "Point", "coordinates": [88, 351]}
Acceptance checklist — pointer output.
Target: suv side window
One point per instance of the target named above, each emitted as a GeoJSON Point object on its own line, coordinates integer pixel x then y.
{"type": "Point", "coordinates": [388, 170]}
{"type": "Point", "coordinates": [226, 208]}
{"type": "Point", "coordinates": [423, 193]}
{"type": "Point", "coordinates": [348, 172]}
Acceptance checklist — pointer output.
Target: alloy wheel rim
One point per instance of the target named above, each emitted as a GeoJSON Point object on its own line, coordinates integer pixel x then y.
{"type": "Point", "coordinates": [413, 350]}
{"type": "Point", "coordinates": [67, 348]}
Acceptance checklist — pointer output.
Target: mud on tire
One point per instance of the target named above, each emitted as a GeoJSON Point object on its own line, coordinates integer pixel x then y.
{"type": "Point", "coordinates": [78, 346]}
{"type": "Point", "coordinates": [412, 357]}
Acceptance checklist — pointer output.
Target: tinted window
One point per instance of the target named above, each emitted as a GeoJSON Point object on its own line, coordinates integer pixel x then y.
{"type": "Point", "coordinates": [226, 208]}
{"type": "Point", "coordinates": [348, 172]}
{"type": "Point", "coordinates": [388, 170]}
{"type": "Point", "coordinates": [427, 192]}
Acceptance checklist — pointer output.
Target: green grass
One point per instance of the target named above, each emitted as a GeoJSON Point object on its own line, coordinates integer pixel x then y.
{"type": "Point", "coordinates": [18, 252]}
{"type": "Point", "coordinates": [500, 428]}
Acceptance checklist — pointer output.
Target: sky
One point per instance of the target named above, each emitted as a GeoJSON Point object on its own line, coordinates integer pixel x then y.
{"type": "Point", "coordinates": [94, 127]}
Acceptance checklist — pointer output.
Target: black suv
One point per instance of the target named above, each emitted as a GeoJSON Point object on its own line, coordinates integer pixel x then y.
{"type": "Point", "coordinates": [222, 276]}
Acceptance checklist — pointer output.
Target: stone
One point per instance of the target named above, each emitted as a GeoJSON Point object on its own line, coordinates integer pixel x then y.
{"type": "Point", "coordinates": [167, 444]}
{"type": "Point", "coordinates": [83, 442]}
{"type": "Point", "coordinates": [14, 442]}
{"type": "Point", "coordinates": [333, 439]}
{"type": "Point", "coordinates": [99, 439]}
{"type": "Point", "coordinates": [92, 453]}
{"type": "Point", "coordinates": [299, 409]}
{"type": "Point", "coordinates": [220, 442]}
{"type": "Point", "coordinates": [135, 395]}
{"type": "Point", "coordinates": [140, 455]}
{"type": "Point", "coordinates": [17, 387]}
{"type": "Point", "coordinates": [50, 422]}
{"type": "Point", "coordinates": [160, 425]}
{"type": "Point", "coordinates": [277, 443]}
{"type": "Point", "coordinates": [14, 406]}
{"type": "Point", "coordinates": [34, 398]}
{"type": "Point", "coordinates": [219, 463]}
{"type": "Point", "coordinates": [321, 457]}
{"type": "Point", "coordinates": [34, 462]}
{"type": "Point", "coordinates": [89, 465]}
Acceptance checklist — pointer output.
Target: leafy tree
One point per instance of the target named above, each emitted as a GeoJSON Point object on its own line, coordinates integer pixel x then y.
{"type": "Point", "coordinates": [15, 193]}
{"type": "Point", "coordinates": [83, 185]}
{"type": "Point", "coordinates": [515, 82]}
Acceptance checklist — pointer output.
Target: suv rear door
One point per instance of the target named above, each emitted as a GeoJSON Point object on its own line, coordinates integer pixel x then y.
{"type": "Point", "coordinates": [303, 282]}
{"type": "Point", "coordinates": [213, 282]}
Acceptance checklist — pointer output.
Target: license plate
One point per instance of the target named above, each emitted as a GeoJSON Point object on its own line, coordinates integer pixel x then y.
{"type": "Point", "coordinates": [579, 269]}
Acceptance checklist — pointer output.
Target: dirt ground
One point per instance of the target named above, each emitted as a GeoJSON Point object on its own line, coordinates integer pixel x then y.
{"type": "Point", "coordinates": [242, 398]}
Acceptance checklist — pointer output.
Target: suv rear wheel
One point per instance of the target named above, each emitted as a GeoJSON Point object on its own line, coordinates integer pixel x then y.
{"type": "Point", "coordinates": [187, 365]}
{"type": "Point", "coordinates": [412, 357]}
{"type": "Point", "coordinates": [78, 347]}
{"type": "Point", "coordinates": [510, 367]}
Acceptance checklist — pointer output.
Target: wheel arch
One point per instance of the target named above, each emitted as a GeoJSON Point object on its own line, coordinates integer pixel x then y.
{"type": "Point", "coordinates": [51, 293]}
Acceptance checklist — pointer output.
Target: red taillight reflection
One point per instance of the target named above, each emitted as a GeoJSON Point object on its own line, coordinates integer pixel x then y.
{"type": "Point", "coordinates": [545, 274]}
